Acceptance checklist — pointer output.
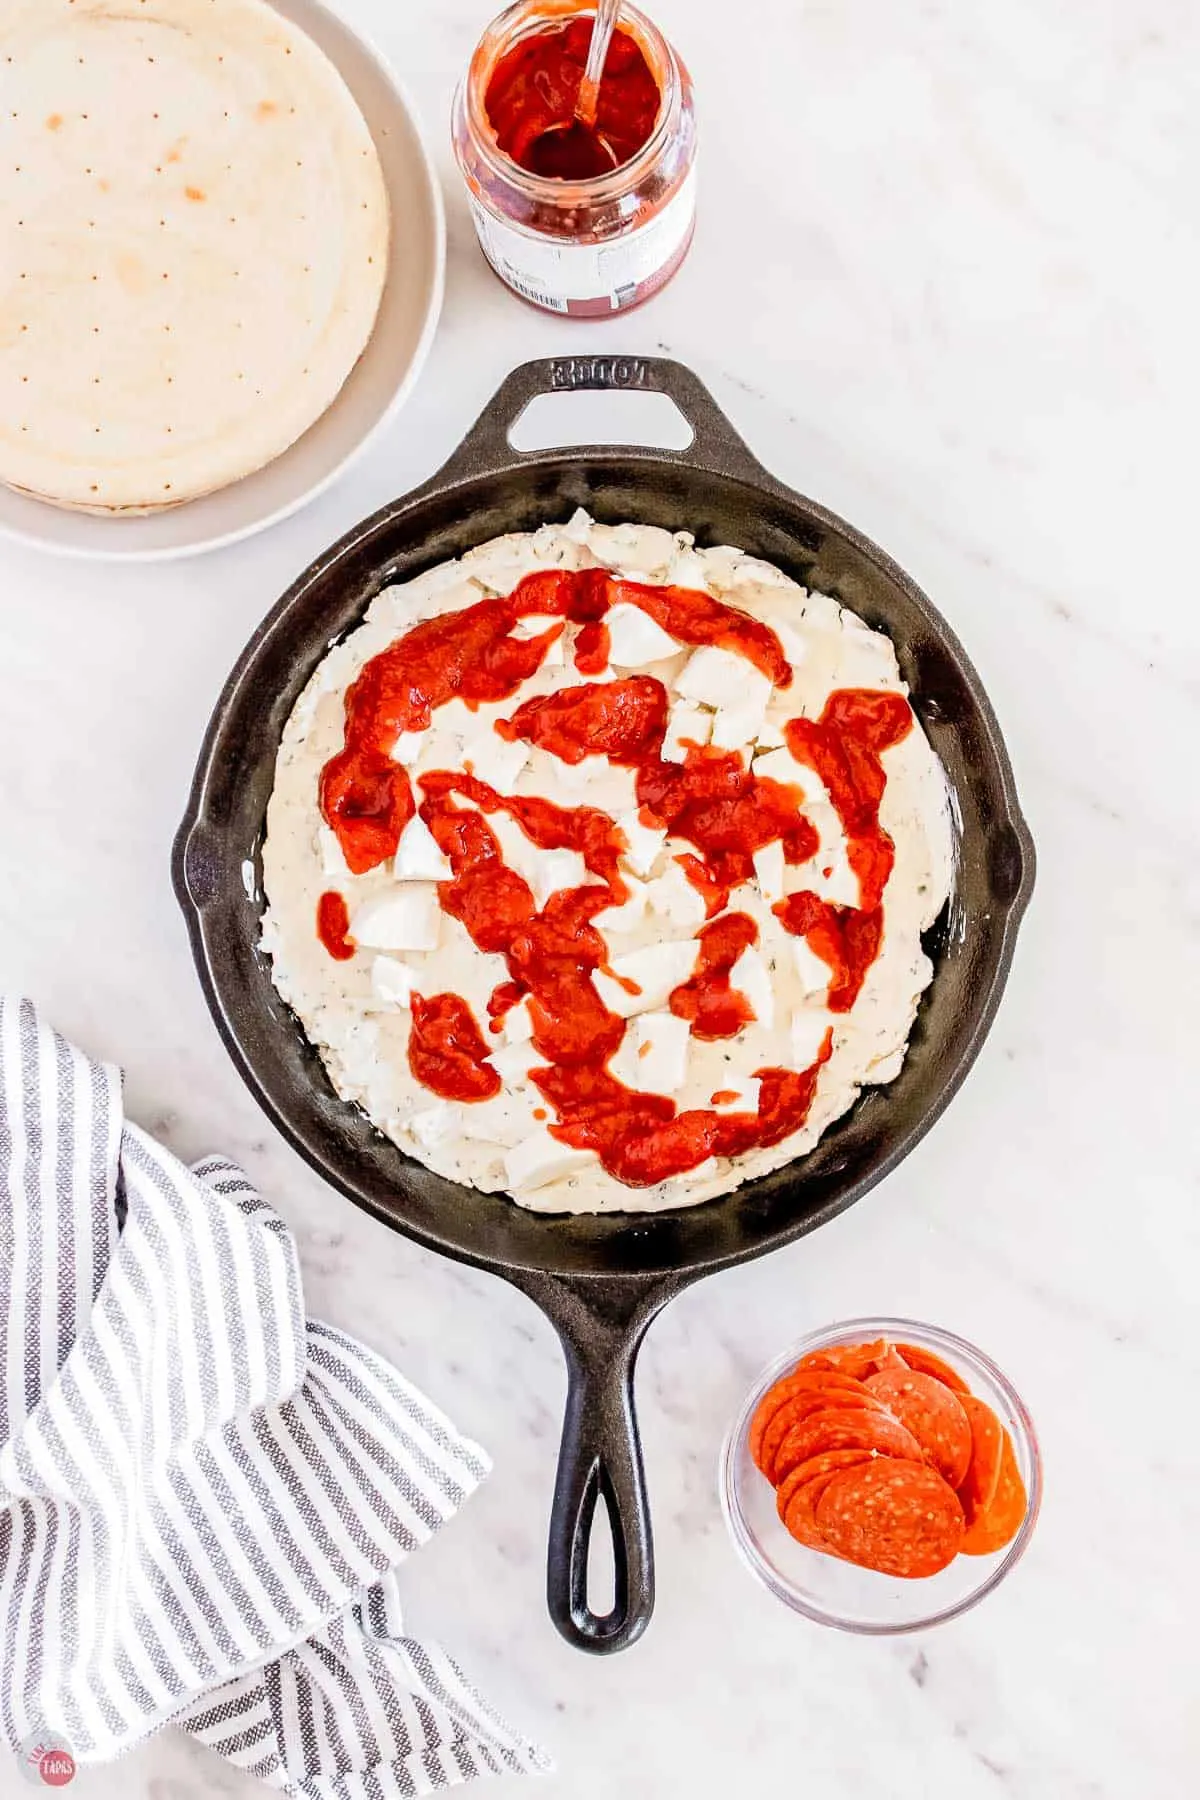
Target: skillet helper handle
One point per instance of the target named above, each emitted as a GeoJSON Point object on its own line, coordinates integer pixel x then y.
{"type": "Point", "coordinates": [487, 447]}
{"type": "Point", "coordinates": [600, 1464]}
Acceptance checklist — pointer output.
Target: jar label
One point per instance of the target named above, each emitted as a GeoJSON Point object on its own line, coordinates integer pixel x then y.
{"type": "Point", "coordinates": [592, 278]}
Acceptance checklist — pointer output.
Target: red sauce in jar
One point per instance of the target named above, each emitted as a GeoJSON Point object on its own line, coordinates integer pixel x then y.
{"type": "Point", "coordinates": [530, 101]}
{"type": "Point", "coordinates": [711, 800]}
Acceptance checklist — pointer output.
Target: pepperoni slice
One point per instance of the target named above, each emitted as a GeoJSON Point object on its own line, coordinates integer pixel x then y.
{"type": "Point", "coordinates": [799, 1407]}
{"type": "Point", "coordinates": [932, 1413]}
{"type": "Point", "coordinates": [801, 1490]}
{"type": "Point", "coordinates": [977, 1489]}
{"type": "Point", "coordinates": [858, 1360]}
{"type": "Point", "coordinates": [992, 1529]}
{"type": "Point", "coordinates": [842, 1428]}
{"type": "Point", "coordinates": [894, 1516]}
{"type": "Point", "coordinates": [785, 1388]}
{"type": "Point", "coordinates": [926, 1363]}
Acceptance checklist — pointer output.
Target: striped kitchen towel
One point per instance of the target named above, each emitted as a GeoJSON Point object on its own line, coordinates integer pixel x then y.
{"type": "Point", "coordinates": [203, 1495]}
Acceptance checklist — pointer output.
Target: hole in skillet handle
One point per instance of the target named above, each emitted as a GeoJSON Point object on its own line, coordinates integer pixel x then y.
{"type": "Point", "coordinates": [593, 417]}
{"type": "Point", "coordinates": [502, 439]}
{"type": "Point", "coordinates": [599, 1569]}
{"type": "Point", "coordinates": [601, 1594]}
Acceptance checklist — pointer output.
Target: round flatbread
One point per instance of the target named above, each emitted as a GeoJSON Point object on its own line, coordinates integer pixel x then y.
{"type": "Point", "coordinates": [193, 245]}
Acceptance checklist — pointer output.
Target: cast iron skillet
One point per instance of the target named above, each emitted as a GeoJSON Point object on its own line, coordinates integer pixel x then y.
{"type": "Point", "coordinates": [600, 1281]}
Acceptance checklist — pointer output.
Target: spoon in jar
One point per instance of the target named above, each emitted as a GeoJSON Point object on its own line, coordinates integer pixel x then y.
{"type": "Point", "coordinates": [588, 97]}
{"type": "Point", "coordinates": [575, 150]}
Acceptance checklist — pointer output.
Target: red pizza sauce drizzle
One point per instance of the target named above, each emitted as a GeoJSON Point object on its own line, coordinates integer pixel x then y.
{"type": "Point", "coordinates": [553, 953]}
{"type": "Point", "coordinates": [843, 746]}
{"type": "Point", "coordinates": [714, 893]}
{"type": "Point", "coordinates": [714, 802]}
{"type": "Point", "coordinates": [592, 645]}
{"type": "Point", "coordinates": [842, 936]}
{"type": "Point", "coordinates": [470, 655]}
{"type": "Point", "coordinates": [641, 1138]}
{"type": "Point", "coordinates": [716, 1009]}
{"type": "Point", "coordinates": [446, 1049]}
{"type": "Point", "coordinates": [333, 926]}
{"type": "Point", "coordinates": [711, 800]}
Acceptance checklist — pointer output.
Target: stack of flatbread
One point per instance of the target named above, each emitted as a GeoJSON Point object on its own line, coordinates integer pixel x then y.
{"type": "Point", "coordinates": [193, 245]}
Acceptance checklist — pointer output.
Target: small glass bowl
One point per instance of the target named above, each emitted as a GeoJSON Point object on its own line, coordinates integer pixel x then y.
{"type": "Point", "coordinates": [839, 1593]}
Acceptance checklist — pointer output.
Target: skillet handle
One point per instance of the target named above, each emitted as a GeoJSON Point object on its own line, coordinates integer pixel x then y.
{"type": "Point", "coordinates": [601, 1325]}
{"type": "Point", "coordinates": [487, 447]}
{"type": "Point", "coordinates": [600, 1461]}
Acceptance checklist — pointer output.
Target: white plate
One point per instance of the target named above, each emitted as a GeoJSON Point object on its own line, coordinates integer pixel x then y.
{"type": "Point", "coordinates": [378, 386]}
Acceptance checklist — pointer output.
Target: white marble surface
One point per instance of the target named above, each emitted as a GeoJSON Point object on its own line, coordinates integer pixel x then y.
{"type": "Point", "coordinates": [946, 280]}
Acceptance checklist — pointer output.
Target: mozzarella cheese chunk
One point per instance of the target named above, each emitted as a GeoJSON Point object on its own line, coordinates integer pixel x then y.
{"type": "Point", "coordinates": [781, 765]}
{"type": "Point", "coordinates": [405, 917]}
{"type": "Point", "coordinates": [539, 1159]}
{"type": "Point", "coordinates": [333, 863]}
{"type": "Point", "coordinates": [504, 1119]}
{"type": "Point", "coordinates": [653, 1057]}
{"type": "Point", "coordinates": [409, 746]}
{"type": "Point", "coordinates": [392, 981]}
{"type": "Point", "coordinates": [813, 971]}
{"type": "Point", "coordinates": [808, 1035]}
{"type": "Point", "coordinates": [769, 870]}
{"type": "Point", "coordinates": [512, 1062]}
{"type": "Point", "coordinates": [770, 737]}
{"type": "Point", "coordinates": [751, 977]}
{"type": "Point", "coordinates": [645, 843]}
{"type": "Point", "coordinates": [418, 857]}
{"type": "Point", "coordinates": [593, 781]}
{"type": "Point", "coordinates": [654, 972]}
{"type": "Point", "coordinates": [672, 896]}
{"type": "Point", "coordinates": [686, 724]}
{"type": "Point", "coordinates": [791, 643]}
{"type": "Point", "coordinates": [735, 730]}
{"type": "Point", "coordinates": [557, 869]}
{"type": "Point", "coordinates": [516, 1027]}
{"type": "Point", "coordinates": [546, 871]}
{"type": "Point", "coordinates": [621, 920]}
{"type": "Point", "coordinates": [500, 762]}
{"type": "Point", "coordinates": [636, 549]}
{"type": "Point", "coordinates": [688, 566]}
{"type": "Point", "coordinates": [724, 681]}
{"type": "Point", "coordinates": [865, 657]}
{"type": "Point", "coordinates": [634, 638]}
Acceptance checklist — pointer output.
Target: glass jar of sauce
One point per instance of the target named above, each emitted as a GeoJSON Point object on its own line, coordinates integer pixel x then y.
{"type": "Point", "coordinates": [559, 223]}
